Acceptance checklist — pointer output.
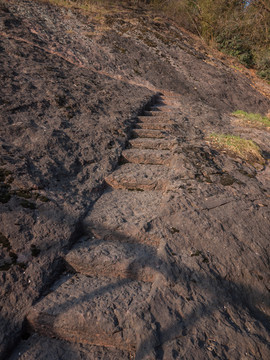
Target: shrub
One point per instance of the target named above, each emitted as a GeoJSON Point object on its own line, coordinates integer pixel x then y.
{"type": "Point", "coordinates": [239, 28]}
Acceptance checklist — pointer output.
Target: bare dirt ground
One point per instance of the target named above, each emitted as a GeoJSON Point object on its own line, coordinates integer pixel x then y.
{"type": "Point", "coordinates": [122, 235]}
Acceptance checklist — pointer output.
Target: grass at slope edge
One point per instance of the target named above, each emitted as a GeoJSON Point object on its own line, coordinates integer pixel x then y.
{"type": "Point", "coordinates": [237, 146]}
{"type": "Point", "coordinates": [254, 120]}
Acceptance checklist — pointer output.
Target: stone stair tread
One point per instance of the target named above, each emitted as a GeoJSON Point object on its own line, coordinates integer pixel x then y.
{"type": "Point", "coordinates": [147, 156]}
{"type": "Point", "coordinates": [162, 114]}
{"type": "Point", "coordinates": [38, 347]}
{"type": "Point", "coordinates": [96, 311]}
{"type": "Point", "coordinates": [121, 215]}
{"type": "Point", "coordinates": [168, 101]}
{"type": "Point", "coordinates": [148, 133]}
{"type": "Point", "coordinates": [158, 144]}
{"type": "Point", "coordinates": [138, 177]}
{"type": "Point", "coordinates": [155, 126]}
{"type": "Point", "coordinates": [163, 107]}
{"type": "Point", "coordinates": [114, 259]}
{"type": "Point", "coordinates": [158, 117]}
{"type": "Point", "coordinates": [110, 308]}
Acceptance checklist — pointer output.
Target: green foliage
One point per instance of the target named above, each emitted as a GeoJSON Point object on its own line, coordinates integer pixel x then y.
{"type": "Point", "coordinates": [263, 63]}
{"type": "Point", "coordinates": [240, 28]}
{"type": "Point", "coordinates": [236, 46]}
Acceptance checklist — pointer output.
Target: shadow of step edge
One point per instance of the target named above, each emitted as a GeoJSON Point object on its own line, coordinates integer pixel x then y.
{"type": "Point", "coordinates": [155, 144]}
{"type": "Point", "coordinates": [147, 156]}
{"type": "Point", "coordinates": [157, 117]}
{"type": "Point", "coordinates": [38, 347]}
{"type": "Point", "coordinates": [148, 133]}
{"type": "Point", "coordinates": [95, 311]}
{"type": "Point", "coordinates": [160, 114]}
{"type": "Point", "coordinates": [163, 112]}
{"type": "Point", "coordinates": [139, 177]}
{"type": "Point", "coordinates": [124, 236]}
{"type": "Point", "coordinates": [164, 108]}
{"type": "Point", "coordinates": [114, 259]}
{"type": "Point", "coordinates": [168, 101]}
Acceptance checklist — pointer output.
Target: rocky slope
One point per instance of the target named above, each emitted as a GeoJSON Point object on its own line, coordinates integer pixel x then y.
{"type": "Point", "coordinates": [122, 235]}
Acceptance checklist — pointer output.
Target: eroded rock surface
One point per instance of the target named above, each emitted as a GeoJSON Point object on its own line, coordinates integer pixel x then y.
{"type": "Point", "coordinates": [124, 233]}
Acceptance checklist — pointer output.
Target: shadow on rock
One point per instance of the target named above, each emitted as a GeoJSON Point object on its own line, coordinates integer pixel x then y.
{"type": "Point", "coordinates": [177, 305]}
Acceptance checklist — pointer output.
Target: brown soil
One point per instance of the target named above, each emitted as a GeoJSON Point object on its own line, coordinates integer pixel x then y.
{"type": "Point", "coordinates": [123, 233]}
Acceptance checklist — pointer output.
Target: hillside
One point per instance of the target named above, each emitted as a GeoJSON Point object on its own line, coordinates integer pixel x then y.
{"type": "Point", "coordinates": [127, 228]}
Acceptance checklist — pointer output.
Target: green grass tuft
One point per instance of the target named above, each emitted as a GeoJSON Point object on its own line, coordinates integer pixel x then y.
{"type": "Point", "coordinates": [251, 119]}
{"type": "Point", "coordinates": [237, 146]}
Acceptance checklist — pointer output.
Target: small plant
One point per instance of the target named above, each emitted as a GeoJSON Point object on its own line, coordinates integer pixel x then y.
{"type": "Point", "coordinates": [3, 174]}
{"type": "Point", "coordinates": [200, 253]}
{"type": "Point", "coordinates": [5, 267]}
{"type": "Point", "coordinates": [173, 230]}
{"type": "Point", "coordinates": [28, 205]}
{"type": "Point", "coordinates": [43, 198]}
{"type": "Point", "coordinates": [5, 195]}
{"type": "Point", "coordinates": [251, 119]}
{"type": "Point", "coordinates": [13, 257]}
{"type": "Point", "coordinates": [237, 146]}
{"type": "Point", "coordinates": [263, 64]}
{"type": "Point", "coordinates": [196, 253]}
{"type": "Point", "coordinates": [4, 242]}
{"type": "Point", "coordinates": [26, 194]}
{"type": "Point", "coordinates": [34, 250]}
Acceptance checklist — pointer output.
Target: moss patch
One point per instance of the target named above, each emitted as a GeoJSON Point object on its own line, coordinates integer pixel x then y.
{"type": "Point", "coordinates": [23, 194]}
{"type": "Point", "coordinates": [43, 198]}
{"type": "Point", "coordinates": [28, 205]}
{"type": "Point", "coordinates": [237, 146]}
{"type": "Point", "coordinates": [5, 267]}
{"type": "Point", "coordinates": [4, 242]}
{"type": "Point", "coordinates": [173, 230]}
{"type": "Point", "coordinates": [196, 253]}
{"type": "Point", "coordinates": [3, 174]}
{"type": "Point", "coordinates": [227, 180]}
{"type": "Point", "coordinates": [137, 189]}
{"type": "Point", "coordinates": [4, 193]}
{"type": "Point", "coordinates": [253, 120]}
{"type": "Point", "coordinates": [147, 41]}
{"type": "Point", "coordinates": [250, 175]}
{"type": "Point", "coordinates": [120, 49]}
{"type": "Point", "coordinates": [34, 250]}
{"type": "Point", "coordinates": [200, 253]}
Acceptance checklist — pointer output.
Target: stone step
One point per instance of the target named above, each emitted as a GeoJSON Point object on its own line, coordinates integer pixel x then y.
{"type": "Point", "coordinates": [38, 347]}
{"type": "Point", "coordinates": [155, 126]}
{"type": "Point", "coordinates": [157, 116]}
{"type": "Point", "coordinates": [148, 133]}
{"type": "Point", "coordinates": [163, 107]}
{"type": "Point", "coordinates": [95, 311]}
{"type": "Point", "coordinates": [114, 259]}
{"type": "Point", "coordinates": [139, 177]}
{"type": "Point", "coordinates": [155, 144]}
{"type": "Point", "coordinates": [122, 215]}
{"type": "Point", "coordinates": [168, 101]}
{"type": "Point", "coordinates": [157, 113]}
{"type": "Point", "coordinates": [147, 156]}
